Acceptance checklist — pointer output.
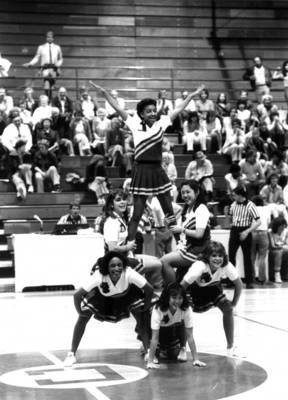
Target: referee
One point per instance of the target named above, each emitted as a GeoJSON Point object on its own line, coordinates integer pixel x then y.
{"type": "Point", "coordinates": [245, 220]}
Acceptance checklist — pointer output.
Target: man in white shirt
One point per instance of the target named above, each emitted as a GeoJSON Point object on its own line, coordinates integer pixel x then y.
{"type": "Point", "coordinates": [50, 57]}
{"type": "Point", "coordinates": [259, 77]}
{"type": "Point", "coordinates": [16, 131]}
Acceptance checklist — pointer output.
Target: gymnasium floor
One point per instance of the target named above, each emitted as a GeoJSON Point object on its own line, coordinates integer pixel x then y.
{"type": "Point", "coordinates": [36, 331]}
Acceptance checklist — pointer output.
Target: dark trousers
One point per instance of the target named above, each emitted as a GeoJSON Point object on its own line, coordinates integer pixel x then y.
{"type": "Point", "coordinates": [246, 246]}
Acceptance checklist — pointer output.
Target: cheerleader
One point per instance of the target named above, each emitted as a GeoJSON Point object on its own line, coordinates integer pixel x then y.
{"type": "Point", "coordinates": [203, 281]}
{"type": "Point", "coordinates": [110, 294]}
{"type": "Point", "coordinates": [148, 176]}
{"type": "Point", "coordinates": [195, 232]}
{"type": "Point", "coordinates": [114, 227]}
{"type": "Point", "coordinates": [172, 327]}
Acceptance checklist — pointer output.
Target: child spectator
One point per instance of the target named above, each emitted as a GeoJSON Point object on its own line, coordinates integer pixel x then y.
{"type": "Point", "coordinates": [45, 167]}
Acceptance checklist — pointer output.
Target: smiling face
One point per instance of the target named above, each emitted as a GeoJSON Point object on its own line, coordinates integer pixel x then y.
{"type": "Point", "coordinates": [149, 114]}
{"type": "Point", "coordinates": [216, 260]}
{"type": "Point", "coordinates": [188, 195]}
{"type": "Point", "coordinates": [175, 301]}
{"type": "Point", "coordinates": [119, 204]}
{"type": "Point", "coordinates": [115, 269]}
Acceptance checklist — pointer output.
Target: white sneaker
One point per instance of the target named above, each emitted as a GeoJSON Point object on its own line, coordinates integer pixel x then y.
{"type": "Point", "coordinates": [146, 358]}
{"type": "Point", "coordinates": [182, 356]}
{"type": "Point", "coordinates": [30, 189]}
{"type": "Point", "coordinates": [70, 359]}
{"type": "Point", "coordinates": [278, 277]}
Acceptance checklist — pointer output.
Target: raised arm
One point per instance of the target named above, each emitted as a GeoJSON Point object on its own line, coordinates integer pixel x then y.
{"type": "Point", "coordinates": [113, 103]}
{"type": "Point", "coordinates": [185, 102]}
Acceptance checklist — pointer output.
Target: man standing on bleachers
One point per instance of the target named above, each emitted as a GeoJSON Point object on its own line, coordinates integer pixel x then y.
{"type": "Point", "coordinates": [260, 78]}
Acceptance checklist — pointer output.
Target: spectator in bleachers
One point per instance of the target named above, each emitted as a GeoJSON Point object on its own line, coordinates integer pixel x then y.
{"type": "Point", "coordinates": [111, 113]}
{"type": "Point", "coordinates": [6, 102]}
{"type": "Point", "coordinates": [44, 131]}
{"type": "Point", "coordinates": [204, 104]}
{"type": "Point", "coordinates": [243, 114]}
{"type": "Point", "coordinates": [16, 131]}
{"type": "Point", "coordinates": [30, 103]}
{"type": "Point", "coordinates": [223, 109]}
{"type": "Point", "coordinates": [164, 105]}
{"type": "Point", "coordinates": [167, 147]}
{"type": "Point", "coordinates": [259, 77]}
{"type": "Point", "coordinates": [277, 165]}
{"type": "Point", "coordinates": [253, 170]}
{"type": "Point", "coordinates": [214, 132]}
{"type": "Point", "coordinates": [260, 240]}
{"type": "Point", "coordinates": [20, 167]}
{"type": "Point", "coordinates": [80, 134]}
{"type": "Point", "coordinates": [73, 217]}
{"type": "Point", "coordinates": [278, 236]}
{"type": "Point", "coordinates": [100, 127]}
{"type": "Point", "coordinates": [50, 57]}
{"type": "Point", "coordinates": [234, 178]}
{"type": "Point", "coordinates": [45, 168]}
{"type": "Point", "coordinates": [25, 114]}
{"type": "Point", "coordinates": [171, 171]}
{"type": "Point", "coordinates": [115, 144]}
{"type": "Point", "coordinates": [96, 177]}
{"type": "Point", "coordinates": [65, 142]}
{"type": "Point", "coordinates": [87, 105]}
{"type": "Point", "coordinates": [272, 195]}
{"type": "Point", "coordinates": [235, 142]}
{"type": "Point", "coordinates": [277, 130]}
{"type": "Point", "coordinates": [195, 134]}
{"type": "Point", "coordinates": [5, 65]}
{"type": "Point", "coordinates": [243, 96]}
{"type": "Point", "coordinates": [191, 107]}
{"type": "Point", "coordinates": [253, 141]}
{"type": "Point", "coordinates": [43, 111]}
{"type": "Point", "coordinates": [201, 170]}
{"type": "Point", "coordinates": [3, 121]}
{"type": "Point", "coordinates": [265, 108]}
{"type": "Point", "coordinates": [65, 106]}
{"type": "Point", "coordinates": [282, 73]}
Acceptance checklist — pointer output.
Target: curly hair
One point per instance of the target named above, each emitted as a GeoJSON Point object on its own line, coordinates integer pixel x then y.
{"type": "Point", "coordinates": [276, 223]}
{"type": "Point", "coordinates": [172, 289]}
{"type": "Point", "coordinates": [144, 103]}
{"type": "Point", "coordinates": [103, 262]}
{"type": "Point", "coordinates": [212, 248]}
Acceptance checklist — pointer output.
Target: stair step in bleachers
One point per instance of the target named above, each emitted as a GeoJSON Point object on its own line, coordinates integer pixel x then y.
{"type": "Point", "coordinates": [9, 198]}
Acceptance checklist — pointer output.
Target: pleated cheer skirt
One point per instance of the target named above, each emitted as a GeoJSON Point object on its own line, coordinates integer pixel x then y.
{"type": "Point", "coordinates": [149, 179]}
{"type": "Point", "coordinates": [205, 297]}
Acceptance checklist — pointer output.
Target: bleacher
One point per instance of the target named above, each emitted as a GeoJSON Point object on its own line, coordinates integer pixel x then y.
{"type": "Point", "coordinates": [137, 47]}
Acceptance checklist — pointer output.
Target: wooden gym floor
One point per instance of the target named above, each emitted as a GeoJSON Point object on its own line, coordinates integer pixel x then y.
{"type": "Point", "coordinates": [36, 331]}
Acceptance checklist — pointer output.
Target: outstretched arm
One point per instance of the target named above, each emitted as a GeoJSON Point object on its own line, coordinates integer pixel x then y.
{"type": "Point", "coordinates": [113, 103]}
{"type": "Point", "coordinates": [185, 102]}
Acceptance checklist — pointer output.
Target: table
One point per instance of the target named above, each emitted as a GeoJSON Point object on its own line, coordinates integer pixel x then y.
{"type": "Point", "coordinates": [51, 260]}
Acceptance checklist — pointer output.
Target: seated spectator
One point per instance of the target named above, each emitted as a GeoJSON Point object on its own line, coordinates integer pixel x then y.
{"type": "Point", "coordinates": [96, 177]}
{"type": "Point", "coordinates": [277, 165]}
{"type": "Point", "coordinates": [260, 240]}
{"type": "Point", "coordinates": [234, 178]}
{"type": "Point", "coordinates": [278, 236]}
{"type": "Point", "coordinates": [243, 96]}
{"type": "Point", "coordinates": [191, 107]}
{"type": "Point", "coordinates": [115, 143]}
{"type": "Point", "coordinates": [163, 105]}
{"type": "Point", "coordinates": [65, 107]}
{"type": "Point", "coordinates": [44, 131]}
{"type": "Point", "coordinates": [43, 111]}
{"type": "Point", "coordinates": [235, 142]}
{"type": "Point", "coordinates": [243, 114]}
{"type": "Point", "coordinates": [87, 105]}
{"type": "Point", "coordinates": [16, 131]}
{"type": "Point", "coordinates": [45, 168]}
{"type": "Point", "coordinates": [111, 113]}
{"type": "Point", "coordinates": [272, 195]}
{"type": "Point", "coordinates": [277, 130]}
{"type": "Point", "coordinates": [81, 134]}
{"type": "Point", "coordinates": [214, 132]}
{"type": "Point", "coordinates": [222, 109]}
{"type": "Point", "coordinates": [20, 166]}
{"type": "Point", "coordinates": [253, 170]}
{"type": "Point", "coordinates": [167, 147]}
{"type": "Point", "coordinates": [201, 170]}
{"type": "Point", "coordinates": [195, 135]}
{"type": "Point", "coordinates": [3, 121]}
{"type": "Point", "coordinates": [253, 141]}
{"type": "Point", "coordinates": [100, 126]}
{"type": "Point", "coordinates": [204, 104]}
{"type": "Point", "coordinates": [264, 109]}
{"type": "Point", "coordinates": [25, 115]}
{"type": "Point", "coordinates": [65, 142]}
{"type": "Point", "coordinates": [6, 102]}
{"type": "Point", "coordinates": [171, 171]}
{"type": "Point", "coordinates": [30, 103]}
{"type": "Point", "coordinates": [73, 217]}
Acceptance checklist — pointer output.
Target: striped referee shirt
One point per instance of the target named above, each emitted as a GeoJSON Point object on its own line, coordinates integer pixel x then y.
{"type": "Point", "coordinates": [243, 214]}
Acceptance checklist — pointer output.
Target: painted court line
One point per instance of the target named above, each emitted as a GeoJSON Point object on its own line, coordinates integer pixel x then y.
{"type": "Point", "coordinates": [261, 323]}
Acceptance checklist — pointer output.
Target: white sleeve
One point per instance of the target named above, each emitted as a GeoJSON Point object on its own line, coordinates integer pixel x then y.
{"type": "Point", "coordinates": [194, 272]}
{"type": "Point", "coordinates": [92, 282]}
{"type": "Point", "coordinates": [156, 318]}
{"type": "Point", "coordinates": [231, 272]}
{"type": "Point", "coordinates": [111, 230]}
{"type": "Point", "coordinates": [188, 318]}
{"type": "Point", "coordinates": [202, 215]}
{"type": "Point", "coordinates": [135, 278]}
{"type": "Point", "coordinates": [132, 122]}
